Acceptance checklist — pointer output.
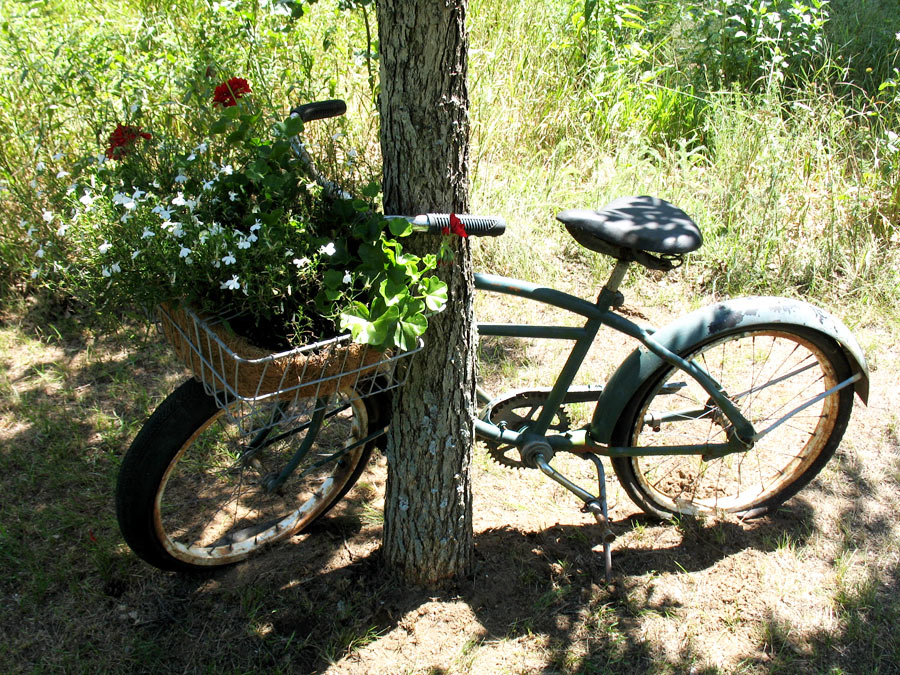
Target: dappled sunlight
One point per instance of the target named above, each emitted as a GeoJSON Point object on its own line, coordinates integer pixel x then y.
{"type": "Point", "coordinates": [712, 594]}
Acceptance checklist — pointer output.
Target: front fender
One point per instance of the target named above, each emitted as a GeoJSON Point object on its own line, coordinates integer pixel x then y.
{"type": "Point", "coordinates": [708, 322]}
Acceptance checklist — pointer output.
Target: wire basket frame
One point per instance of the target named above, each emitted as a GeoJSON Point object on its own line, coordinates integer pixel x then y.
{"type": "Point", "coordinates": [257, 389]}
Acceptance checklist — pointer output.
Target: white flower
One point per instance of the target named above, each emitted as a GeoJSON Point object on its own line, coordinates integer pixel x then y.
{"type": "Point", "coordinates": [162, 212]}
{"type": "Point", "coordinates": [232, 195]}
{"type": "Point", "coordinates": [62, 229]}
{"type": "Point", "coordinates": [232, 284]}
{"type": "Point", "coordinates": [148, 233]}
{"type": "Point", "coordinates": [346, 279]}
{"type": "Point", "coordinates": [48, 216]}
{"type": "Point", "coordinates": [134, 107]}
{"type": "Point", "coordinates": [184, 252]}
{"type": "Point", "coordinates": [328, 249]}
{"type": "Point", "coordinates": [87, 200]}
{"type": "Point", "coordinates": [39, 167]}
{"type": "Point", "coordinates": [244, 243]}
{"type": "Point", "coordinates": [301, 262]}
{"type": "Point", "coordinates": [201, 148]}
{"type": "Point", "coordinates": [124, 200]}
{"type": "Point", "coordinates": [191, 157]}
{"type": "Point", "coordinates": [115, 267]}
{"type": "Point", "coordinates": [58, 156]}
{"type": "Point", "coordinates": [35, 272]}
{"type": "Point", "coordinates": [229, 259]}
{"type": "Point", "coordinates": [135, 254]}
{"type": "Point", "coordinates": [181, 178]}
{"type": "Point", "coordinates": [62, 173]}
{"type": "Point", "coordinates": [227, 170]}
{"type": "Point", "coordinates": [252, 238]}
{"type": "Point", "coordinates": [138, 193]}
{"type": "Point", "coordinates": [104, 247]}
{"type": "Point", "coordinates": [105, 272]}
{"type": "Point", "coordinates": [255, 226]}
{"type": "Point", "coordinates": [179, 200]}
{"type": "Point", "coordinates": [169, 226]}
{"type": "Point", "coordinates": [40, 252]}
{"type": "Point", "coordinates": [208, 185]}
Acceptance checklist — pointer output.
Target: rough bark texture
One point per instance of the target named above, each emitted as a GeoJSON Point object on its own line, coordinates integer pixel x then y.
{"type": "Point", "coordinates": [424, 141]}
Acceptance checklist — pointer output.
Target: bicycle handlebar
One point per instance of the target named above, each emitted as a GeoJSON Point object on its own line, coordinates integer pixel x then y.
{"type": "Point", "coordinates": [433, 223]}
{"type": "Point", "coordinates": [320, 110]}
{"type": "Point", "coordinates": [476, 226]}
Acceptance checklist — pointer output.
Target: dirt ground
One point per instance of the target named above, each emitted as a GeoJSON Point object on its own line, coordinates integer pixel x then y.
{"type": "Point", "coordinates": [813, 588]}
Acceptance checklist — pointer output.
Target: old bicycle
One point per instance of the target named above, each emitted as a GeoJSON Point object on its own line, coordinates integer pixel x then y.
{"type": "Point", "coordinates": [732, 408]}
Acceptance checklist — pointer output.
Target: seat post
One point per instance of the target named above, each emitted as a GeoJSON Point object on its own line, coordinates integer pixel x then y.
{"type": "Point", "coordinates": [610, 296]}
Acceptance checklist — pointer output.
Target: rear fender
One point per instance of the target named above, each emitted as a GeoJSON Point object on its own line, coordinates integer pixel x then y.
{"type": "Point", "coordinates": [708, 322]}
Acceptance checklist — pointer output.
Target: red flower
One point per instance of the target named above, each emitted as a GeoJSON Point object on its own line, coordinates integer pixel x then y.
{"type": "Point", "coordinates": [123, 139]}
{"type": "Point", "coordinates": [229, 92]}
{"type": "Point", "coordinates": [456, 226]}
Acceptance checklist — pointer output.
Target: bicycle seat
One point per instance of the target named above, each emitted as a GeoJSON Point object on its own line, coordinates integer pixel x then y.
{"type": "Point", "coordinates": [647, 230]}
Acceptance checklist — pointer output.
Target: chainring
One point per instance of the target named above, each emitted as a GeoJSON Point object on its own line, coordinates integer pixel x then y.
{"type": "Point", "coordinates": [516, 413]}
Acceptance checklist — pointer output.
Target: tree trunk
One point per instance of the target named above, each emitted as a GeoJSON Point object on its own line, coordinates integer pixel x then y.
{"type": "Point", "coordinates": [424, 142]}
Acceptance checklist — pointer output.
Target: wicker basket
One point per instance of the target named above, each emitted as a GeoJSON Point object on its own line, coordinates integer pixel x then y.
{"type": "Point", "coordinates": [244, 377]}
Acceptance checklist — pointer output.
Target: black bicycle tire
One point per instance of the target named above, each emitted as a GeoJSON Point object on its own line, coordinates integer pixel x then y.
{"type": "Point", "coordinates": [626, 467]}
{"type": "Point", "coordinates": [171, 426]}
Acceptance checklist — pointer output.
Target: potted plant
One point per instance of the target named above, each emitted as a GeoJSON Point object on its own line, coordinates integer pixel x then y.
{"type": "Point", "coordinates": [214, 210]}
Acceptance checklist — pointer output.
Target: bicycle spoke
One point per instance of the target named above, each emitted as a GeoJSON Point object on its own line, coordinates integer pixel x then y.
{"type": "Point", "coordinates": [769, 376]}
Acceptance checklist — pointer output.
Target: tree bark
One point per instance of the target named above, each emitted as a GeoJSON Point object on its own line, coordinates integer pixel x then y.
{"type": "Point", "coordinates": [424, 142]}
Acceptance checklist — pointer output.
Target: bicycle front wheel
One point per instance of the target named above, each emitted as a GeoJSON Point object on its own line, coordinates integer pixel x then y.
{"type": "Point", "coordinates": [195, 493]}
{"type": "Point", "coordinates": [768, 372]}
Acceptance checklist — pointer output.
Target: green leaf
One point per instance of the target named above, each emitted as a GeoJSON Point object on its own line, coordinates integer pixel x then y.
{"type": "Point", "coordinates": [292, 126]}
{"type": "Point", "coordinates": [364, 331]}
{"type": "Point", "coordinates": [435, 294]}
{"type": "Point", "coordinates": [333, 278]}
{"type": "Point", "coordinates": [393, 291]}
{"type": "Point", "coordinates": [218, 126]}
{"type": "Point", "coordinates": [408, 331]}
{"type": "Point", "coordinates": [400, 227]}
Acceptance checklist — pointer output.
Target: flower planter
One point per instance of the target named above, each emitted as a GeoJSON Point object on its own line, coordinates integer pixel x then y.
{"type": "Point", "coordinates": [246, 380]}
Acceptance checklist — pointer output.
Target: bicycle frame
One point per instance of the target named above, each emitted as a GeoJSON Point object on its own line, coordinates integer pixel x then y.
{"type": "Point", "coordinates": [598, 314]}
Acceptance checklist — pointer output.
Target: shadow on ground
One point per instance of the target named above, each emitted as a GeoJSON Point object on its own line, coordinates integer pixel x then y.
{"type": "Point", "coordinates": [76, 599]}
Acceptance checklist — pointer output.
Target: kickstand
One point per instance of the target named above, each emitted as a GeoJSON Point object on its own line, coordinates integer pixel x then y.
{"type": "Point", "coordinates": [598, 508]}
{"type": "Point", "coordinates": [592, 504]}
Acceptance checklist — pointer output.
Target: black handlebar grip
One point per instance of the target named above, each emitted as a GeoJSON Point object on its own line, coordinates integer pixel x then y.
{"type": "Point", "coordinates": [476, 226]}
{"type": "Point", "coordinates": [320, 110]}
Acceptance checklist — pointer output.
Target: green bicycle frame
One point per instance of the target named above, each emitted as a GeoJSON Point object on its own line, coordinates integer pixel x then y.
{"type": "Point", "coordinates": [598, 314]}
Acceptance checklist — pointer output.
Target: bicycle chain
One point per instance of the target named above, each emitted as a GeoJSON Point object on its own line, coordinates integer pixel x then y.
{"type": "Point", "coordinates": [506, 412]}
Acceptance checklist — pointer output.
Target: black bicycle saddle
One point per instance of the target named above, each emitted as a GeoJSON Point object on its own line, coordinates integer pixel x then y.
{"type": "Point", "coordinates": [647, 230]}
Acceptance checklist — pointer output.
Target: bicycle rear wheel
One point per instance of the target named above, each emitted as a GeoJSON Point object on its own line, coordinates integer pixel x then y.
{"type": "Point", "coordinates": [194, 493]}
{"type": "Point", "coordinates": [767, 371]}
